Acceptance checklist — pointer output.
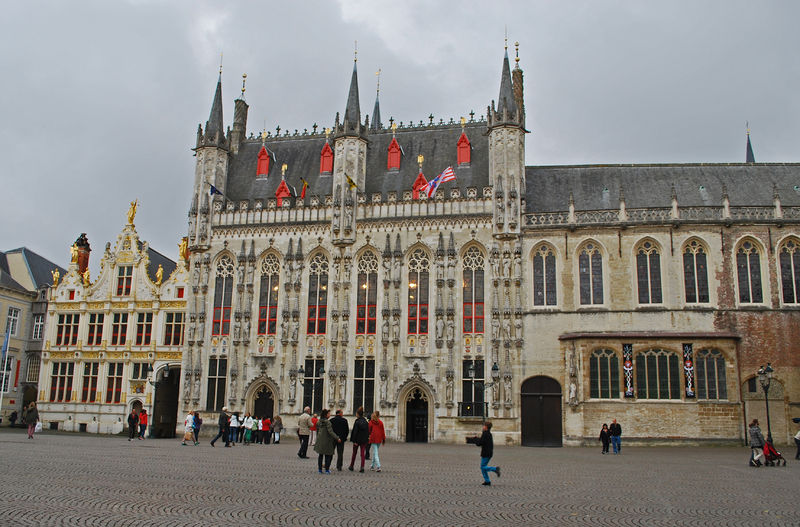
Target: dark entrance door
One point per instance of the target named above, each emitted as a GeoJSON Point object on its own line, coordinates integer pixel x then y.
{"type": "Point", "coordinates": [264, 403]}
{"type": "Point", "coordinates": [416, 418]}
{"type": "Point", "coordinates": [165, 404]}
{"type": "Point", "coordinates": [541, 412]}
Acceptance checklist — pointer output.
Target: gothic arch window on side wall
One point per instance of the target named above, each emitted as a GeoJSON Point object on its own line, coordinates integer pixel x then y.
{"type": "Point", "coordinates": [268, 295]}
{"type": "Point", "coordinates": [473, 294]}
{"type": "Point", "coordinates": [711, 380]}
{"type": "Point", "coordinates": [367, 294]}
{"type": "Point", "coordinates": [648, 273]}
{"type": "Point", "coordinates": [544, 276]}
{"type": "Point", "coordinates": [317, 295]}
{"type": "Point", "coordinates": [748, 273]}
{"type": "Point", "coordinates": [658, 375]}
{"type": "Point", "coordinates": [418, 279]}
{"type": "Point", "coordinates": [695, 273]}
{"type": "Point", "coordinates": [590, 274]}
{"type": "Point", "coordinates": [604, 375]}
{"type": "Point", "coordinates": [789, 262]}
{"type": "Point", "coordinates": [223, 294]}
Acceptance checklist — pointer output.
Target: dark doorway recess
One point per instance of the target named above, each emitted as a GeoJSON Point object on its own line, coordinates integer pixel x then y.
{"type": "Point", "coordinates": [541, 412]}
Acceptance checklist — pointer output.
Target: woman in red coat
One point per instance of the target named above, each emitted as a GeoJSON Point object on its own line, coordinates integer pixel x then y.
{"type": "Point", "coordinates": [377, 437]}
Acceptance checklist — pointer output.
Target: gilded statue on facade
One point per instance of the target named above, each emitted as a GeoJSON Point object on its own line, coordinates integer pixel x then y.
{"type": "Point", "coordinates": [183, 248]}
{"type": "Point", "coordinates": [159, 275]}
{"type": "Point", "coordinates": [86, 281]}
{"type": "Point", "coordinates": [56, 275]}
{"type": "Point", "coordinates": [73, 253]}
{"type": "Point", "coordinates": [132, 211]}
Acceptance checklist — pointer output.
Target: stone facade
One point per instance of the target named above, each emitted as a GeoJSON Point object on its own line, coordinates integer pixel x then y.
{"type": "Point", "coordinates": [570, 303]}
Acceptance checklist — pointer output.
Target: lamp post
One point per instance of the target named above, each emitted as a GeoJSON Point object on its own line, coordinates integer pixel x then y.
{"type": "Point", "coordinates": [483, 385]}
{"type": "Point", "coordinates": [765, 378]}
{"type": "Point", "coordinates": [152, 383]}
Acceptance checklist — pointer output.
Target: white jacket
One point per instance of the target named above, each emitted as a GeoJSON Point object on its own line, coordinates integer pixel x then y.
{"type": "Point", "coordinates": [234, 421]}
{"type": "Point", "coordinates": [248, 423]}
{"type": "Point", "coordinates": [188, 423]}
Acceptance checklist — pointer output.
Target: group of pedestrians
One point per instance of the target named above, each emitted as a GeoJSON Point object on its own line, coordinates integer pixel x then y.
{"type": "Point", "coordinates": [331, 434]}
{"type": "Point", "coordinates": [611, 434]}
{"type": "Point", "coordinates": [248, 429]}
{"type": "Point", "coordinates": [137, 424]}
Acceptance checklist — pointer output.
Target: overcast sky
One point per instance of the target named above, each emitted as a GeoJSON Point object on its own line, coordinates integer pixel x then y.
{"type": "Point", "coordinates": [101, 100]}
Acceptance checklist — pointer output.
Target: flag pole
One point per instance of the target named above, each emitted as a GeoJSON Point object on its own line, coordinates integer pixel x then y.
{"type": "Point", "coordinates": [3, 381]}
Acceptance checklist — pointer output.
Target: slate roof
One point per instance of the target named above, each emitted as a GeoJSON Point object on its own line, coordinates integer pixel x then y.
{"type": "Point", "coordinates": [158, 258]}
{"type": "Point", "coordinates": [302, 155]}
{"type": "Point", "coordinates": [5, 277]}
{"type": "Point", "coordinates": [39, 267]}
{"type": "Point", "coordinates": [597, 187]}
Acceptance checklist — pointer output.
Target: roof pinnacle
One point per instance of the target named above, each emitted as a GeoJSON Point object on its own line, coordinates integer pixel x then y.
{"type": "Point", "coordinates": [244, 80]}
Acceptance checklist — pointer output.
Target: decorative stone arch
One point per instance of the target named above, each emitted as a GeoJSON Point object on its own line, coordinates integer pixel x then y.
{"type": "Point", "coordinates": [317, 251]}
{"type": "Point", "coordinates": [405, 392]}
{"type": "Point", "coordinates": [254, 387]}
{"type": "Point", "coordinates": [215, 261]}
{"type": "Point", "coordinates": [473, 243]}
{"type": "Point", "coordinates": [270, 251]}
{"type": "Point", "coordinates": [591, 247]}
{"type": "Point", "coordinates": [418, 245]}
{"type": "Point", "coordinates": [599, 246]}
{"type": "Point", "coordinates": [543, 249]}
{"type": "Point", "coordinates": [137, 403]}
{"type": "Point", "coordinates": [751, 288]}
{"type": "Point", "coordinates": [787, 254]}
{"type": "Point", "coordinates": [367, 248]}
{"type": "Point", "coordinates": [693, 242]}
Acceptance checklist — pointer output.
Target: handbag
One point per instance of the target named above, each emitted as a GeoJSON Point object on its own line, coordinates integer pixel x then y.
{"type": "Point", "coordinates": [38, 427]}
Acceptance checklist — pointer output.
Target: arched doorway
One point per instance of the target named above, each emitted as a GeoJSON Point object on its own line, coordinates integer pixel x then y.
{"type": "Point", "coordinates": [416, 417]}
{"type": "Point", "coordinates": [264, 403]}
{"type": "Point", "coordinates": [165, 403]}
{"type": "Point", "coordinates": [541, 412]}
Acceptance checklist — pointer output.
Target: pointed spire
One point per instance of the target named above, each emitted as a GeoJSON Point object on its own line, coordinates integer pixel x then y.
{"type": "Point", "coordinates": [352, 113]}
{"type": "Point", "coordinates": [451, 246]}
{"type": "Point", "coordinates": [749, 157]}
{"type": "Point", "coordinates": [506, 101]}
{"type": "Point", "coordinates": [387, 249]}
{"type": "Point", "coordinates": [298, 255]}
{"type": "Point", "coordinates": [398, 251]}
{"type": "Point", "coordinates": [214, 124]}
{"type": "Point", "coordinates": [376, 111]}
{"type": "Point", "coordinates": [440, 247]}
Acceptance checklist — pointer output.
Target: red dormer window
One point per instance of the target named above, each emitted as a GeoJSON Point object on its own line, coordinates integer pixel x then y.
{"type": "Point", "coordinates": [393, 161]}
{"type": "Point", "coordinates": [463, 148]}
{"type": "Point", "coordinates": [263, 163]}
{"type": "Point", "coordinates": [282, 192]}
{"type": "Point", "coordinates": [420, 184]}
{"type": "Point", "coordinates": [326, 159]}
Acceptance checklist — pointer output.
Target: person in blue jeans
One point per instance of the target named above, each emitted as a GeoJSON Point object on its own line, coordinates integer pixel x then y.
{"type": "Point", "coordinates": [615, 430]}
{"type": "Point", "coordinates": [486, 443]}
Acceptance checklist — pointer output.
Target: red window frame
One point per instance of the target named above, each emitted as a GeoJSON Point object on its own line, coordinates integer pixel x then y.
{"type": "Point", "coordinates": [114, 384]}
{"type": "Point", "coordinates": [173, 329]}
{"type": "Point", "coordinates": [144, 329]}
{"type": "Point", "coordinates": [473, 312]}
{"type": "Point", "coordinates": [268, 305]}
{"type": "Point", "coordinates": [124, 280]}
{"type": "Point", "coordinates": [89, 391]}
{"type": "Point", "coordinates": [393, 155]}
{"type": "Point", "coordinates": [262, 168]}
{"type": "Point", "coordinates": [61, 382]}
{"type": "Point", "coordinates": [317, 304]}
{"type": "Point", "coordinates": [119, 329]}
{"type": "Point", "coordinates": [418, 305]}
{"type": "Point", "coordinates": [223, 293]}
{"type": "Point", "coordinates": [326, 159]}
{"type": "Point", "coordinates": [95, 334]}
{"type": "Point", "coordinates": [463, 148]}
{"type": "Point", "coordinates": [367, 308]}
{"type": "Point", "coordinates": [67, 329]}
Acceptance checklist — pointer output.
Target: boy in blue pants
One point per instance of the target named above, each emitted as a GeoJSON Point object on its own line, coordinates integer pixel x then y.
{"type": "Point", "coordinates": [486, 443]}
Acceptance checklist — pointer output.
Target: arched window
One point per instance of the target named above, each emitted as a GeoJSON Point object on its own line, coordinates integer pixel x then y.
{"type": "Point", "coordinates": [709, 366]}
{"type": "Point", "coordinates": [463, 150]}
{"type": "Point", "coordinates": [367, 294]}
{"type": "Point", "coordinates": [326, 159]}
{"type": "Point", "coordinates": [473, 291]}
{"type": "Point", "coordinates": [748, 272]}
{"type": "Point", "coordinates": [223, 293]}
{"type": "Point", "coordinates": [590, 272]}
{"type": "Point", "coordinates": [658, 375]}
{"type": "Point", "coordinates": [648, 273]}
{"type": "Point", "coordinates": [317, 295]}
{"type": "Point", "coordinates": [262, 169]}
{"type": "Point", "coordinates": [604, 375]}
{"type": "Point", "coordinates": [695, 273]}
{"type": "Point", "coordinates": [544, 276]}
{"type": "Point", "coordinates": [268, 295]}
{"type": "Point", "coordinates": [789, 260]}
{"type": "Point", "coordinates": [394, 153]}
{"type": "Point", "coordinates": [418, 266]}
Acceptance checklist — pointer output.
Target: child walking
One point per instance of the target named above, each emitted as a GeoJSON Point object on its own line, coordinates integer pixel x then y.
{"type": "Point", "coordinates": [486, 443]}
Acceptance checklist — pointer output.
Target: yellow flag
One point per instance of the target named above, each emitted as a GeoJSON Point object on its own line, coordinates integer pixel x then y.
{"type": "Point", "coordinates": [351, 182]}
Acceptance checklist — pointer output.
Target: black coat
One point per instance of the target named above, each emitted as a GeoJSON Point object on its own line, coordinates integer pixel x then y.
{"type": "Point", "coordinates": [360, 433]}
{"type": "Point", "coordinates": [615, 429]}
{"type": "Point", "coordinates": [486, 443]}
{"type": "Point", "coordinates": [340, 426]}
{"type": "Point", "coordinates": [223, 421]}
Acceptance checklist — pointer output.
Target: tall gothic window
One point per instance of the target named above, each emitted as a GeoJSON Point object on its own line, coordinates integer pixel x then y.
{"type": "Point", "coordinates": [695, 273]}
{"type": "Point", "coordinates": [268, 296]}
{"type": "Point", "coordinates": [223, 293]}
{"type": "Point", "coordinates": [789, 261]}
{"type": "Point", "coordinates": [418, 266]}
{"type": "Point", "coordinates": [367, 294]}
{"type": "Point", "coordinates": [473, 291]}
{"type": "Point", "coordinates": [709, 366]}
{"type": "Point", "coordinates": [648, 273]}
{"type": "Point", "coordinates": [317, 295]}
{"type": "Point", "coordinates": [472, 389]}
{"type": "Point", "coordinates": [313, 384]}
{"type": "Point", "coordinates": [590, 274]}
{"type": "Point", "coordinates": [658, 375]}
{"type": "Point", "coordinates": [544, 276]}
{"type": "Point", "coordinates": [364, 384]}
{"type": "Point", "coordinates": [604, 375]}
{"type": "Point", "coordinates": [217, 377]}
{"type": "Point", "coordinates": [748, 272]}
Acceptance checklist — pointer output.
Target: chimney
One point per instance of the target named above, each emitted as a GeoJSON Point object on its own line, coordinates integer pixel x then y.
{"type": "Point", "coordinates": [239, 131]}
{"type": "Point", "coordinates": [82, 243]}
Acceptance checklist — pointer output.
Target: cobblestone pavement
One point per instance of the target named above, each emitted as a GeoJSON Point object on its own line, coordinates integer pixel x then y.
{"type": "Point", "coordinates": [65, 479]}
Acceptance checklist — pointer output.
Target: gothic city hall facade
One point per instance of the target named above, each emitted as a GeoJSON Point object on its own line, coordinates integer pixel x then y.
{"type": "Point", "coordinates": [348, 267]}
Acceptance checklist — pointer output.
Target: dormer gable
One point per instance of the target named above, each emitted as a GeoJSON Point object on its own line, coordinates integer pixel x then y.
{"type": "Point", "coordinates": [394, 154]}
{"type": "Point", "coordinates": [262, 170]}
{"type": "Point", "coordinates": [420, 184]}
{"type": "Point", "coordinates": [326, 159]}
{"type": "Point", "coordinates": [463, 150]}
{"type": "Point", "coordinates": [282, 192]}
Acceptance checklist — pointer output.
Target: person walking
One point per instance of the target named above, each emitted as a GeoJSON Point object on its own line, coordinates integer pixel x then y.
{"type": "Point", "coordinates": [360, 438]}
{"type": "Point", "coordinates": [313, 429]}
{"type": "Point", "coordinates": [341, 428]}
{"type": "Point", "coordinates": [266, 424]}
{"type": "Point", "coordinates": [234, 428]}
{"type": "Point", "coordinates": [247, 424]}
{"type": "Point", "coordinates": [188, 428]}
{"type": "Point", "coordinates": [326, 441]}
{"type": "Point", "coordinates": [616, 436]}
{"type": "Point", "coordinates": [277, 428]}
{"type": "Point", "coordinates": [303, 431]}
{"type": "Point", "coordinates": [222, 422]}
{"type": "Point", "coordinates": [377, 437]}
{"type": "Point", "coordinates": [486, 442]}
{"type": "Point", "coordinates": [198, 422]}
{"type": "Point", "coordinates": [12, 419]}
{"type": "Point", "coordinates": [31, 418]}
{"type": "Point", "coordinates": [756, 444]}
{"type": "Point", "coordinates": [133, 423]}
{"type": "Point", "coordinates": [142, 423]}
{"type": "Point", "coordinates": [604, 438]}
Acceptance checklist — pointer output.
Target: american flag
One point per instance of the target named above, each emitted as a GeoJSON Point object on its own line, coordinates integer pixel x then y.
{"type": "Point", "coordinates": [446, 175]}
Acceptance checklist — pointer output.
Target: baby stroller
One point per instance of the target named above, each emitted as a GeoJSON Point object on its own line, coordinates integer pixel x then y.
{"type": "Point", "coordinates": [771, 455]}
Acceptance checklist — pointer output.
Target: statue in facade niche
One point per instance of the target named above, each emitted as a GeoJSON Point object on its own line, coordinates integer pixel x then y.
{"type": "Point", "coordinates": [506, 328]}
{"type": "Point", "coordinates": [332, 388]}
{"type": "Point", "coordinates": [334, 332]}
{"type": "Point", "coordinates": [384, 386]}
{"type": "Point", "coordinates": [397, 269]}
{"type": "Point", "coordinates": [518, 265]}
{"type": "Point", "coordinates": [205, 274]}
{"type": "Point", "coordinates": [295, 329]}
{"type": "Point", "coordinates": [451, 269]}
{"type": "Point", "coordinates": [451, 330]}
{"type": "Point", "coordinates": [396, 328]}
{"type": "Point", "coordinates": [507, 388]}
{"type": "Point", "coordinates": [240, 274]}
{"type": "Point", "coordinates": [439, 328]}
{"type": "Point", "coordinates": [387, 269]}
{"type": "Point", "coordinates": [495, 328]}
{"type": "Point", "coordinates": [197, 386]}
{"type": "Point", "coordinates": [191, 331]}
{"type": "Point", "coordinates": [292, 387]}
{"type": "Point", "coordinates": [439, 269]}
{"type": "Point", "coordinates": [385, 330]}
{"type": "Point", "coordinates": [495, 266]}
{"type": "Point", "coordinates": [285, 328]}
{"type": "Point", "coordinates": [449, 388]}
{"type": "Point", "coordinates": [197, 276]}
{"type": "Point", "coordinates": [348, 216]}
{"type": "Point", "coordinates": [237, 330]}
{"type": "Point", "coordinates": [342, 386]}
{"type": "Point", "coordinates": [506, 265]}
{"type": "Point", "coordinates": [336, 214]}
{"type": "Point", "coordinates": [187, 388]}
{"type": "Point", "coordinates": [518, 328]}
{"type": "Point", "coordinates": [496, 392]}
{"type": "Point", "coordinates": [247, 328]}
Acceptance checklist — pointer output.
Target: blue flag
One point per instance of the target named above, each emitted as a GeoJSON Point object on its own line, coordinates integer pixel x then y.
{"type": "Point", "coordinates": [215, 190]}
{"type": "Point", "coordinates": [5, 348]}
